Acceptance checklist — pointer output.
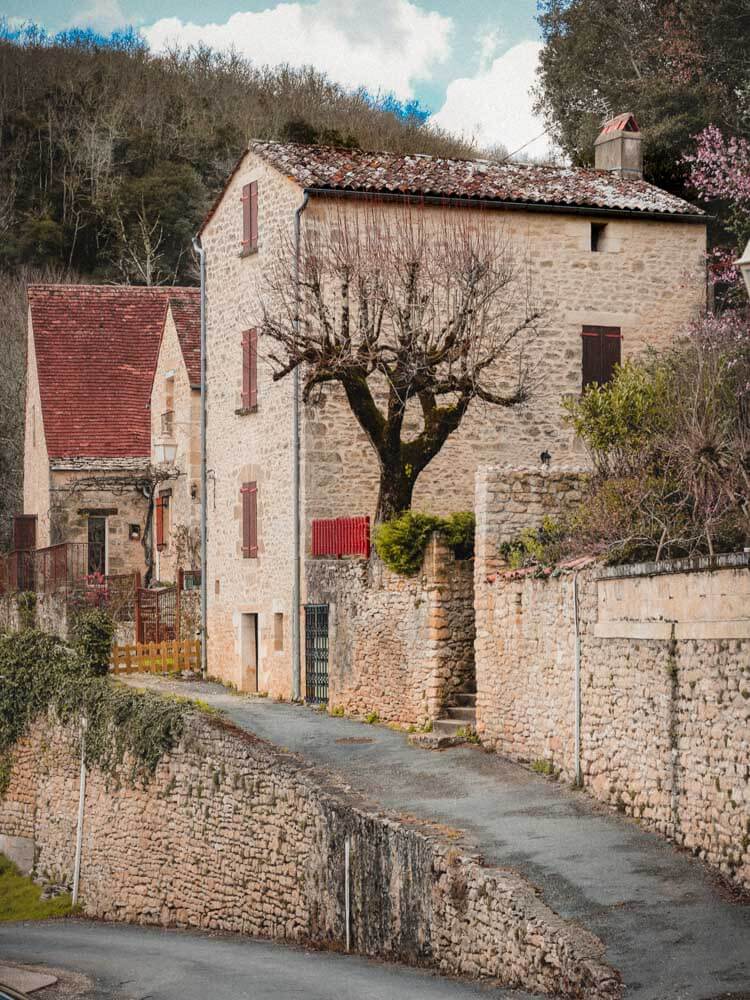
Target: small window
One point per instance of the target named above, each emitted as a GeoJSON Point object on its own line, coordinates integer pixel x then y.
{"type": "Point", "coordinates": [601, 351]}
{"type": "Point", "coordinates": [278, 632]}
{"type": "Point", "coordinates": [598, 232]}
{"type": "Point", "coordinates": [250, 218]}
{"type": "Point", "coordinates": [162, 520]}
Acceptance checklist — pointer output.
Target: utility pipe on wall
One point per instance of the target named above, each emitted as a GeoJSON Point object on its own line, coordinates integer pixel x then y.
{"type": "Point", "coordinates": [577, 685]}
{"type": "Point", "coordinates": [79, 830]}
{"type": "Point", "coordinates": [296, 584]}
{"type": "Point", "coordinates": [197, 246]}
{"type": "Point", "coordinates": [347, 893]}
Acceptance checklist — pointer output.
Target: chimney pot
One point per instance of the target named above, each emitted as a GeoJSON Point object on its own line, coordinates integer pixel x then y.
{"type": "Point", "coordinates": [618, 147]}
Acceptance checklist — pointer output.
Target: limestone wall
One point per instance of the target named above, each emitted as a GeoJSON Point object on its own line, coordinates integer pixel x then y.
{"type": "Point", "coordinates": [399, 646]}
{"type": "Point", "coordinates": [51, 613]}
{"type": "Point", "coordinates": [235, 835]}
{"type": "Point", "coordinates": [182, 540]}
{"type": "Point", "coordinates": [665, 691]}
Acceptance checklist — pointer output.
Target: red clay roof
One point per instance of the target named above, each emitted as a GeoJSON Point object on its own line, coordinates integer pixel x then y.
{"type": "Point", "coordinates": [186, 312]}
{"type": "Point", "coordinates": [96, 349]}
{"type": "Point", "coordinates": [354, 170]}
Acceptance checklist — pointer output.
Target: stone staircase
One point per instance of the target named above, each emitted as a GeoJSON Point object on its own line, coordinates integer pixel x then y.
{"type": "Point", "coordinates": [462, 715]}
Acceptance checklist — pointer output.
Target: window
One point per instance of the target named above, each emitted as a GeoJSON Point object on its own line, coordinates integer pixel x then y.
{"type": "Point", "coordinates": [162, 519]}
{"type": "Point", "coordinates": [601, 352]}
{"type": "Point", "coordinates": [250, 369]}
{"type": "Point", "coordinates": [97, 544]}
{"type": "Point", "coordinates": [598, 233]}
{"type": "Point", "coordinates": [249, 495]}
{"type": "Point", "coordinates": [278, 631]}
{"type": "Point", "coordinates": [250, 218]}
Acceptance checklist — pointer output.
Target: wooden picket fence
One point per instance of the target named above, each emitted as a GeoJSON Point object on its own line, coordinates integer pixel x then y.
{"type": "Point", "coordinates": [168, 657]}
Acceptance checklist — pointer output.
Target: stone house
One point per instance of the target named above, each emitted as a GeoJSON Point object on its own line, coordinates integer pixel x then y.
{"type": "Point", "coordinates": [175, 438]}
{"type": "Point", "coordinates": [619, 262]}
{"type": "Point", "coordinates": [92, 353]}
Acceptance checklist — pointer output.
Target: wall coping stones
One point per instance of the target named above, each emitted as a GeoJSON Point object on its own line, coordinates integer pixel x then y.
{"type": "Point", "coordinates": [698, 564]}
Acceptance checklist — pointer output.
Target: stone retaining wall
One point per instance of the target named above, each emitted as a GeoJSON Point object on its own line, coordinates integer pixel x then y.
{"type": "Point", "coordinates": [399, 646]}
{"type": "Point", "coordinates": [665, 691]}
{"type": "Point", "coordinates": [51, 613]}
{"type": "Point", "coordinates": [234, 834]}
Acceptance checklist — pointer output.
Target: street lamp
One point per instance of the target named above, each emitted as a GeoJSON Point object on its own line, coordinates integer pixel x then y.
{"type": "Point", "coordinates": [744, 265]}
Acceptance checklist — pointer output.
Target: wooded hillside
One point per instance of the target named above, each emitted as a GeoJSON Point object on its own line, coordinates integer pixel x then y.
{"type": "Point", "coordinates": [109, 155]}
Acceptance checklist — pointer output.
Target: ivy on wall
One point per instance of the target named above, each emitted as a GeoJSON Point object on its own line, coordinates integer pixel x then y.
{"type": "Point", "coordinates": [40, 673]}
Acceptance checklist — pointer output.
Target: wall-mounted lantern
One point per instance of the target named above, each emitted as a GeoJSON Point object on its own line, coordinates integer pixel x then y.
{"type": "Point", "coordinates": [134, 531]}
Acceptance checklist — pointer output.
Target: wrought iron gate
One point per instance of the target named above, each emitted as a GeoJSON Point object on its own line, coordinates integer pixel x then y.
{"type": "Point", "coordinates": [316, 653]}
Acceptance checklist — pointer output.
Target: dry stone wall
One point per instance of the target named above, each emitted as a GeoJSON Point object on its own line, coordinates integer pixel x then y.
{"type": "Point", "coordinates": [233, 834]}
{"type": "Point", "coordinates": [399, 646]}
{"type": "Point", "coordinates": [665, 692]}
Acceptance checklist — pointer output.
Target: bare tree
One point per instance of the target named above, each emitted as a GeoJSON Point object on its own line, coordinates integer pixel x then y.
{"type": "Point", "coordinates": [416, 314]}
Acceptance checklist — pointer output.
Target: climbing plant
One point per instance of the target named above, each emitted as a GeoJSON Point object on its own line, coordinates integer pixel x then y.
{"type": "Point", "coordinates": [39, 673]}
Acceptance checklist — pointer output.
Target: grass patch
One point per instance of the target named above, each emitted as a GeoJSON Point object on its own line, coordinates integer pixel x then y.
{"type": "Point", "coordinates": [20, 898]}
{"type": "Point", "coordinates": [542, 766]}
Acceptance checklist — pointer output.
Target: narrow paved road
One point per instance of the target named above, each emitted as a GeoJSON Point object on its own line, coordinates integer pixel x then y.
{"type": "Point", "coordinates": [136, 963]}
{"type": "Point", "coordinates": [667, 928]}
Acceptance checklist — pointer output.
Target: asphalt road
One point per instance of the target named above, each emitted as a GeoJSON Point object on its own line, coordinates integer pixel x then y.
{"type": "Point", "coordinates": [135, 963]}
{"type": "Point", "coordinates": [666, 925]}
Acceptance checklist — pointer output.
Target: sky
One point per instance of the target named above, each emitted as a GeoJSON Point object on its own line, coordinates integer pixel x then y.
{"type": "Point", "coordinates": [470, 62]}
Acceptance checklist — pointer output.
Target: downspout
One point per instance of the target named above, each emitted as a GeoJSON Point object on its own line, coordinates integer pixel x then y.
{"type": "Point", "coordinates": [204, 473]}
{"type": "Point", "coordinates": [296, 584]}
{"type": "Point", "coordinates": [577, 686]}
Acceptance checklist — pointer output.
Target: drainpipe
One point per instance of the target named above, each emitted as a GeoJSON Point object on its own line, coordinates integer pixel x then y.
{"type": "Point", "coordinates": [577, 685]}
{"type": "Point", "coordinates": [204, 474]}
{"type": "Point", "coordinates": [79, 829]}
{"type": "Point", "coordinates": [296, 585]}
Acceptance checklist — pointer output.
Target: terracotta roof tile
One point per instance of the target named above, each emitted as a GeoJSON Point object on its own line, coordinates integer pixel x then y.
{"type": "Point", "coordinates": [96, 349]}
{"type": "Point", "coordinates": [358, 171]}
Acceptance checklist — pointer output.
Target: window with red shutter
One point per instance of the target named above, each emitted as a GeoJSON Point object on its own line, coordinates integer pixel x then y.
{"type": "Point", "coordinates": [250, 217]}
{"type": "Point", "coordinates": [601, 352]}
{"type": "Point", "coordinates": [250, 369]}
{"type": "Point", "coordinates": [159, 509]}
{"type": "Point", "coordinates": [249, 495]}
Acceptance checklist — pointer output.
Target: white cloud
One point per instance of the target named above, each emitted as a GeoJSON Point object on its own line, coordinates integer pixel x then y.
{"type": "Point", "coordinates": [383, 45]}
{"type": "Point", "coordinates": [102, 15]}
{"type": "Point", "coordinates": [495, 106]}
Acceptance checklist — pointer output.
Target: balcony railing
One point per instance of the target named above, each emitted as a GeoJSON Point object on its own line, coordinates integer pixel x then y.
{"type": "Point", "coordinates": [45, 571]}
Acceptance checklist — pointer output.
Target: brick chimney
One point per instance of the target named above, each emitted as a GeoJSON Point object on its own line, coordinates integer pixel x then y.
{"type": "Point", "coordinates": [618, 147]}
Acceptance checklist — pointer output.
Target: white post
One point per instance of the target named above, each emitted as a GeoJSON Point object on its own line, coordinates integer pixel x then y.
{"type": "Point", "coordinates": [347, 906]}
{"type": "Point", "coordinates": [81, 800]}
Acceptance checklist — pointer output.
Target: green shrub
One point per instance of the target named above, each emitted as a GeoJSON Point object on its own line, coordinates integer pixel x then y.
{"type": "Point", "coordinates": [401, 542]}
{"type": "Point", "coordinates": [92, 632]}
{"type": "Point", "coordinates": [541, 546]}
{"type": "Point", "coordinates": [371, 718]}
{"type": "Point", "coordinates": [458, 530]}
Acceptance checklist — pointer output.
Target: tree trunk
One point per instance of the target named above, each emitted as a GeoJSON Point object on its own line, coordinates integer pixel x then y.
{"type": "Point", "coordinates": [396, 488]}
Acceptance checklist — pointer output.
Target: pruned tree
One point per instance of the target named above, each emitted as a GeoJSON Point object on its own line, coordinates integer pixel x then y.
{"type": "Point", "coordinates": [415, 314]}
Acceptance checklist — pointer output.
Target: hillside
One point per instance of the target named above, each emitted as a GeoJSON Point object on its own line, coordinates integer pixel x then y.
{"type": "Point", "coordinates": [109, 155]}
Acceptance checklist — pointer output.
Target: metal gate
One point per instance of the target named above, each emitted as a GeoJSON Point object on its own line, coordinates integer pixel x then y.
{"type": "Point", "coordinates": [157, 615]}
{"type": "Point", "coordinates": [316, 654]}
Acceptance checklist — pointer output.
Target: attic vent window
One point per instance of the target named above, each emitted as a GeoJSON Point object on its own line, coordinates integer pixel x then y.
{"type": "Point", "coordinates": [598, 233]}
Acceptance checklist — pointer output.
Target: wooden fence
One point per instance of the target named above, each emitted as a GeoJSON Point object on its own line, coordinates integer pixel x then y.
{"type": "Point", "coordinates": [167, 657]}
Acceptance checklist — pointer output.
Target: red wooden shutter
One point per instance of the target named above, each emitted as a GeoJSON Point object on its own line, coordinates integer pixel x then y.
{"type": "Point", "coordinates": [160, 522]}
{"type": "Point", "coordinates": [250, 217]}
{"type": "Point", "coordinates": [250, 369]}
{"type": "Point", "coordinates": [249, 494]}
{"type": "Point", "coordinates": [601, 352]}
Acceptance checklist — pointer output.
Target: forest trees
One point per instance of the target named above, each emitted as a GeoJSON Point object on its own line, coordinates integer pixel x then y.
{"type": "Point", "coordinates": [414, 317]}
{"type": "Point", "coordinates": [678, 65]}
{"type": "Point", "coordinates": [110, 155]}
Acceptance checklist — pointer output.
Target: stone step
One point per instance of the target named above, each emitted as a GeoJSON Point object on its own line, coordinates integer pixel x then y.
{"type": "Point", "coordinates": [448, 727]}
{"type": "Point", "coordinates": [466, 698]}
{"type": "Point", "coordinates": [465, 712]}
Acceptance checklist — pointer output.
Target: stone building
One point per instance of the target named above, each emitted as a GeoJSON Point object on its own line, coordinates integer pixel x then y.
{"type": "Point", "coordinates": [92, 353]}
{"type": "Point", "coordinates": [618, 263]}
{"type": "Point", "coordinates": [175, 438]}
